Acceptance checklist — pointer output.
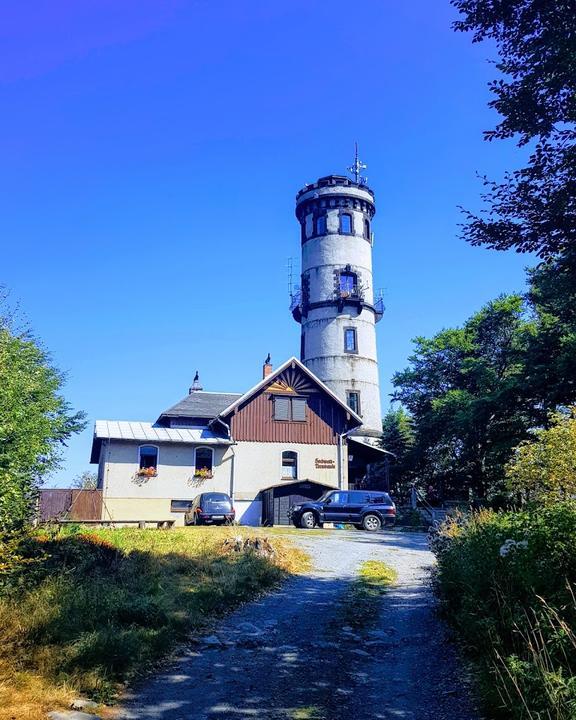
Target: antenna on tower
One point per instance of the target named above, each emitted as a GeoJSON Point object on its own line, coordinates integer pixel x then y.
{"type": "Point", "coordinates": [290, 275]}
{"type": "Point", "coordinates": [357, 168]}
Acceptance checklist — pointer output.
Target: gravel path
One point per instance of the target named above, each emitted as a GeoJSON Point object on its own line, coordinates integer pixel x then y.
{"type": "Point", "coordinates": [288, 658]}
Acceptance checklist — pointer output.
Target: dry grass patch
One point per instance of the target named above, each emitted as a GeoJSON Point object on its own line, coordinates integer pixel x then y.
{"type": "Point", "coordinates": [96, 608]}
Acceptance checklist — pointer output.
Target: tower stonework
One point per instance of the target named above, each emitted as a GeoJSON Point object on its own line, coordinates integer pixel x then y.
{"type": "Point", "coordinates": [336, 306]}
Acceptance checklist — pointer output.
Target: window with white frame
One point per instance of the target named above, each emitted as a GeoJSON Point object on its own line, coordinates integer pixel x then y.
{"type": "Point", "coordinates": [203, 462]}
{"type": "Point", "coordinates": [289, 465]}
{"type": "Point", "coordinates": [148, 457]}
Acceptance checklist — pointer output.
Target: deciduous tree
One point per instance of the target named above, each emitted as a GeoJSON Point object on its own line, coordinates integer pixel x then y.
{"type": "Point", "coordinates": [534, 208]}
{"type": "Point", "coordinates": [545, 468]}
{"type": "Point", "coordinates": [35, 421]}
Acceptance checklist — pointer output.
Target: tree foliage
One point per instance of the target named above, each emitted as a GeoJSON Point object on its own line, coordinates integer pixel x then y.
{"type": "Point", "coordinates": [35, 421]}
{"type": "Point", "coordinates": [464, 389]}
{"type": "Point", "coordinates": [534, 208]}
{"type": "Point", "coordinates": [545, 468]}
{"type": "Point", "coordinates": [398, 438]}
{"type": "Point", "coordinates": [87, 480]}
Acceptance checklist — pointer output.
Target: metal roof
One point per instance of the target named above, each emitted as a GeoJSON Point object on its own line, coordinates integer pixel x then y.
{"type": "Point", "coordinates": [200, 404]}
{"type": "Point", "coordinates": [123, 430]}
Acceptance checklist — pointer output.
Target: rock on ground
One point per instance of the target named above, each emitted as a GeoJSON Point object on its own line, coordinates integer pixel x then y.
{"type": "Point", "coordinates": [289, 654]}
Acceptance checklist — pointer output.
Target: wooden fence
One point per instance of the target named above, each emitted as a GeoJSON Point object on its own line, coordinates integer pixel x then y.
{"type": "Point", "coordinates": [68, 504]}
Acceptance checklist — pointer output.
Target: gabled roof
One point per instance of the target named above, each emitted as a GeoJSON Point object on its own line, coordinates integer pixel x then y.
{"type": "Point", "coordinates": [200, 404]}
{"type": "Point", "coordinates": [269, 379]}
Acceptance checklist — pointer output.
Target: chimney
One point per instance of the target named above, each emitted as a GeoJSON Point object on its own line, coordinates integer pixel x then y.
{"type": "Point", "coordinates": [267, 367]}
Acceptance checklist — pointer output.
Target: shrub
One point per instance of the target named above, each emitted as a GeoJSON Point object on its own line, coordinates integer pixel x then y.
{"type": "Point", "coordinates": [506, 582]}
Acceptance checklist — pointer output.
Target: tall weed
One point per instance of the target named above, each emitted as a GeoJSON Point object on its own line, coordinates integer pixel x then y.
{"type": "Point", "coordinates": [506, 581]}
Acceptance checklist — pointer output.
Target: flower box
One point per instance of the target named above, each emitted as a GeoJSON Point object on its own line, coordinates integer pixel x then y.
{"type": "Point", "coordinates": [147, 472]}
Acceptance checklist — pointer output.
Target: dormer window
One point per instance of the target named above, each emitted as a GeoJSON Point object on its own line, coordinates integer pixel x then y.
{"type": "Point", "coordinates": [320, 225]}
{"type": "Point", "coordinates": [346, 224]}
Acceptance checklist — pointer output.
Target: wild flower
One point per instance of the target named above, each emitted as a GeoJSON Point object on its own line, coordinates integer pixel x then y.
{"type": "Point", "coordinates": [510, 545]}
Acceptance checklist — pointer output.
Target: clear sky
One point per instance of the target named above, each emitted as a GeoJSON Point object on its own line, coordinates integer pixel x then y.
{"type": "Point", "coordinates": [150, 155]}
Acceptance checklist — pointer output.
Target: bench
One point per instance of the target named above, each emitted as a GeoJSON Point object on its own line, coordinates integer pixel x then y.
{"type": "Point", "coordinates": [108, 523]}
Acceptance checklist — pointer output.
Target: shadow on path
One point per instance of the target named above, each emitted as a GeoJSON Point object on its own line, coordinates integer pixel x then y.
{"type": "Point", "coordinates": [288, 656]}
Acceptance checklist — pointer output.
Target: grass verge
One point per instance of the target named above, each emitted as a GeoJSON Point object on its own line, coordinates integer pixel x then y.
{"type": "Point", "coordinates": [360, 605]}
{"type": "Point", "coordinates": [82, 613]}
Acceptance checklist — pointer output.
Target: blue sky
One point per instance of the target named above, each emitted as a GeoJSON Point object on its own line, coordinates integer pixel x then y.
{"type": "Point", "coordinates": [151, 152]}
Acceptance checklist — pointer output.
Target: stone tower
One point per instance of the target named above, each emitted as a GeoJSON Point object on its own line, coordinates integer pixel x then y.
{"type": "Point", "coordinates": [335, 305]}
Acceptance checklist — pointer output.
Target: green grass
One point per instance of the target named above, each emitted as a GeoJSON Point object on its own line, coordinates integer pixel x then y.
{"type": "Point", "coordinates": [81, 613]}
{"type": "Point", "coordinates": [362, 601]}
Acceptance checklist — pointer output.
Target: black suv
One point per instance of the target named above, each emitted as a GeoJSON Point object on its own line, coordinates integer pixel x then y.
{"type": "Point", "coordinates": [365, 509]}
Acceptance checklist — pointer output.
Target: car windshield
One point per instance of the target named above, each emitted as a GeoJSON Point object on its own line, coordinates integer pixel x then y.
{"type": "Point", "coordinates": [215, 498]}
{"type": "Point", "coordinates": [326, 495]}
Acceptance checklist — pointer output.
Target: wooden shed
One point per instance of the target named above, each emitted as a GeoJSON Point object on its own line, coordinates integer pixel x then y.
{"type": "Point", "coordinates": [277, 500]}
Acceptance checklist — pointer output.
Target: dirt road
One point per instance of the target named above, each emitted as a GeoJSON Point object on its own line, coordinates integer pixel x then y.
{"type": "Point", "coordinates": [289, 656]}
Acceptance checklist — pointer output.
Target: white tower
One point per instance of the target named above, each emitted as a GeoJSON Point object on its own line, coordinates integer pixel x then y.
{"type": "Point", "coordinates": [335, 304]}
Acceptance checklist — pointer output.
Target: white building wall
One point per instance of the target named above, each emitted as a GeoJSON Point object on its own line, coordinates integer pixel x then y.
{"type": "Point", "coordinates": [127, 496]}
{"type": "Point", "coordinates": [240, 470]}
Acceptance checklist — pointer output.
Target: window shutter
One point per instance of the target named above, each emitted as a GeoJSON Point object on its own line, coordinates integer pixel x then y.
{"type": "Point", "coordinates": [281, 408]}
{"type": "Point", "coordinates": [299, 409]}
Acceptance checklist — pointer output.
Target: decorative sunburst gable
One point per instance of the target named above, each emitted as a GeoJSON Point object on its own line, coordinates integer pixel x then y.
{"type": "Point", "coordinates": [292, 381]}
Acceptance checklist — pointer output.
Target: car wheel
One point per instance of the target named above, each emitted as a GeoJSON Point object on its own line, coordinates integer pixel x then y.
{"type": "Point", "coordinates": [371, 523]}
{"type": "Point", "coordinates": [307, 521]}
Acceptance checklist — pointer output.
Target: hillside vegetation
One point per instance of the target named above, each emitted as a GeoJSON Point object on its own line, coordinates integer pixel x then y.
{"type": "Point", "coordinates": [81, 613]}
{"type": "Point", "coordinates": [506, 581]}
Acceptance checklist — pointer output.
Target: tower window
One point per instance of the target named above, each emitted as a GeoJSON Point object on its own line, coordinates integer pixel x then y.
{"type": "Point", "coordinates": [147, 456]}
{"type": "Point", "coordinates": [320, 225]}
{"type": "Point", "coordinates": [346, 223]}
{"type": "Point", "coordinates": [348, 283]}
{"type": "Point", "coordinates": [290, 408]}
{"type": "Point", "coordinates": [289, 465]}
{"type": "Point", "coordinates": [303, 345]}
{"type": "Point", "coordinates": [367, 229]}
{"type": "Point", "coordinates": [353, 401]}
{"type": "Point", "coordinates": [350, 344]}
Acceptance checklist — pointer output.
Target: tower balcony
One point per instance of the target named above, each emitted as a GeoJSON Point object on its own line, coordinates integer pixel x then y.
{"type": "Point", "coordinates": [296, 305]}
{"type": "Point", "coordinates": [300, 310]}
